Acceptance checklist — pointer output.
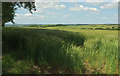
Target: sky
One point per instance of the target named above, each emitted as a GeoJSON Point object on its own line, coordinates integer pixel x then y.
{"type": "Point", "coordinates": [69, 13]}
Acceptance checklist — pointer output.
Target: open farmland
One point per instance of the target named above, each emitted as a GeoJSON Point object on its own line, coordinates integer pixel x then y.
{"type": "Point", "coordinates": [60, 50]}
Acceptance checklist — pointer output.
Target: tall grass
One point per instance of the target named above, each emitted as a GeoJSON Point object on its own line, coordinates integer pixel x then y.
{"type": "Point", "coordinates": [100, 50]}
{"type": "Point", "coordinates": [43, 47]}
{"type": "Point", "coordinates": [71, 48]}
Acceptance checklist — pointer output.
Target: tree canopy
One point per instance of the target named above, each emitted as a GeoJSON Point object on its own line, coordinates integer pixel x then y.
{"type": "Point", "coordinates": [9, 9]}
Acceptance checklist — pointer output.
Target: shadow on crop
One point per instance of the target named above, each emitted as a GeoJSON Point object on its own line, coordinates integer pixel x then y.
{"type": "Point", "coordinates": [44, 47]}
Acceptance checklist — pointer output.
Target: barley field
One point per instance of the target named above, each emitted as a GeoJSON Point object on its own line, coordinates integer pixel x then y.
{"type": "Point", "coordinates": [60, 50]}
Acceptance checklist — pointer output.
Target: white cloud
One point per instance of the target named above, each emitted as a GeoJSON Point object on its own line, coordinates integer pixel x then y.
{"type": "Point", "coordinates": [103, 17]}
{"type": "Point", "coordinates": [51, 13]}
{"type": "Point", "coordinates": [116, 0]}
{"type": "Point", "coordinates": [52, 5]}
{"type": "Point", "coordinates": [40, 16]}
{"type": "Point", "coordinates": [62, 6]}
{"type": "Point", "coordinates": [101, 0]}
{"type": "Point", "coordinates": [65, 16]}
{"type": "Point", "coordinates": [109, 5]}
{"type": "Point", "coordinates": [115, 15]}
{"type": "Point", "coordinates": [94, 3]}
{"type": "Point", "coordinates": [17, 14]}
{"type": "Point", "coordinates": [75, 0]}
{"type": "Point", "coordinates": [27, 14]}
{"type": "Point", "coordinates": [81, 7]}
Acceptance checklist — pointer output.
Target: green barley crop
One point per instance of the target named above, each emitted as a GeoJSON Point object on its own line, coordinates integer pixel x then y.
{"type": "Point", "coordinates": [67, 47]}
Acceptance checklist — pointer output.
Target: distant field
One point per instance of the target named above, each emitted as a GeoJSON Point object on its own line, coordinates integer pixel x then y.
{"type": "Point", "coordinates": [92, 27]}
{"type": "Point", "coordinates": [61, 49]}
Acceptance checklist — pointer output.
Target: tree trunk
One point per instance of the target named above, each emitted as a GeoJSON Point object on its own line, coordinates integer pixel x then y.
{"type": "Point", "coordinates": [3, 24]}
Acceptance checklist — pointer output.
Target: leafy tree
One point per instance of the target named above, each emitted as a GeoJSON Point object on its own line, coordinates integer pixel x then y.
{"type": "Point", "coordinates": [9, 9]}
